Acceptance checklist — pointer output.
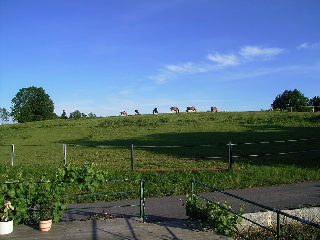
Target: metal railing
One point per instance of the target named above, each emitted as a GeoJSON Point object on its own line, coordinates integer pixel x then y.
{"type": "Point", "coordinates": [141, 202]}
{"type": "Point", "coordinates": [278, 212]}
{"type": "Point", "coordinates": [141, 191]}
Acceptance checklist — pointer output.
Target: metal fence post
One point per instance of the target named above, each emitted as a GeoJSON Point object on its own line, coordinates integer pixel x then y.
{"type": "Point", "coordinates": [192, 190]}
{"type": "Point", "coordinates": [142, 201]}
{"type": "Point", "coordinates": [278, 226]}
{"type": "Point", "coordinates": [12, 153]}
{"type": "Point", "coordinates": [230, 155]}
{"type": "Point", "coordinates": [132, 156]}
{"type": "Point", "coordinates": [65, 154]}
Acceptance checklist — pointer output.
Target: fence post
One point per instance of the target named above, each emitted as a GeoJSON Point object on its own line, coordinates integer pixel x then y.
{"type": "Point", "coordinates": [65, 154]}
{"type": "Point", "coordinates": [230, 155]}
{"type": "Point", "coordinates": [278, 226]}
{"type": "Point", "coordinates": [132, 156]}
{"type": "Point", "coordinates": [192, 190]}
{"type": "Point", "coordinates": [142, 201]}
{"type": "Point", "coordinates": [12, 153]}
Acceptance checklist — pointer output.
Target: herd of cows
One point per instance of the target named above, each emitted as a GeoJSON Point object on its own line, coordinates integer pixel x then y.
{"type": "Point", "coordinates": [172, 109]}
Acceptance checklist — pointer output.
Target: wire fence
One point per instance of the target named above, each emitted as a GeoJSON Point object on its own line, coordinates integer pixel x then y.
{"type": "Point", "coordinates": [219, 155]}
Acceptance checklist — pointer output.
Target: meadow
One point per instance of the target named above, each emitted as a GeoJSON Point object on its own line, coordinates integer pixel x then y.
{"type": "Point", "coordinates": [170, 141]}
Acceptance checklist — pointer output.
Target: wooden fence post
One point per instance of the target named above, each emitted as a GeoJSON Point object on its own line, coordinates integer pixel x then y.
{"type": "Point", "coordinates": [65, 154]}
{"type": "Point", "coordinates": [132, 156]}
{"type": "Point", "coordinates": [230, 155]}
{"type": "Point", "coordinates": [12, 153]}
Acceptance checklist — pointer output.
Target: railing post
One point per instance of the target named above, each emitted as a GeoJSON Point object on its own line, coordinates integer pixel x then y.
{"type": "Point", "coordinates": [192, 186]}
{"type": "Point", "coordinates": [132, 156]}
{"type": "Point", "coordinates": [65, 154]}
{"type": "Point", "coordinates": [278, 227]}
{"type": "Point", "coordinates": [12, 153]}
{"type": "Point", "coordinates": [230, 155]}
{"type": "Point", "coordinates": [142, 201]}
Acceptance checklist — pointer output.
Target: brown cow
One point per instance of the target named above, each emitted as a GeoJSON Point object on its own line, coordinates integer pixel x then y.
{"type": "Point", "coordinates": [174, 109]}
{"type": "Point", "coordinates": [192, 109]}
{"type": "Point", "coordinates": [214, 109]}
{"type": "Point", "coordinates": [123, 113]}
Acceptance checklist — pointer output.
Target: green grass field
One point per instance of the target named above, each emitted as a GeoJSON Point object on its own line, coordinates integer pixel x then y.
{"type": "Point", "coordinates": [166, 141]}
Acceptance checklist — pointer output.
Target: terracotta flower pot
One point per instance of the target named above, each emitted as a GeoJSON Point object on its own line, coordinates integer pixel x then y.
{"type": "Point", "coordinates": [6, 227]}
{"type": "Point", "coordinates": [45, 225]}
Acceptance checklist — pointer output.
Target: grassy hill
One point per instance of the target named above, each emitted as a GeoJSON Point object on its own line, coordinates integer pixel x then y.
{"type": "Point", "coordinates": [167, 141]}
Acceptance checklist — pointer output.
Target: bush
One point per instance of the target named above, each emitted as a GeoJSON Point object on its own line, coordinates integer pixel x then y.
{"type": "Point", "coordinates": [221, 218]}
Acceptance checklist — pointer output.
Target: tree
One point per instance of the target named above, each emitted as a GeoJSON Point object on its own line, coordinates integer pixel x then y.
{"type": "Point", "coordinates": [315, 102]}
{"type": "Point", "coordinates": [91, 115]}
{"type": "Point", "coordinates": [64, 115]}
{"type": "Point", "coordinates": [290, 99]}
{"type": "Point", "coordinates": [32, 104]}
{"type": "Point", "coordinates": [4, 115]}
{"type": "Point", "coordinates": [76, 114]}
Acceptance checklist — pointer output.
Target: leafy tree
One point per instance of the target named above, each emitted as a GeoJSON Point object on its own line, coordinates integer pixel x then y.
{"type": "Point", "coordinates": [64, 115]}
{"type": "Point", "coordinates": [315, 102]}
{"type": "Point", "coordinates": [91, 115]}
{"type": "Point", "coordinates": [290, 99]}
{"type": "Point", "coordinates": [32, 104]}
{"type": "Point", "coordinates": [76, 114]}
{"type": "Point", "coordinates": [4, 115]}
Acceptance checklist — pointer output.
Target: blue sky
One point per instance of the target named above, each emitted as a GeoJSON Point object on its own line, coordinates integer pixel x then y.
{"type": "Point", "coordinates": [105, 56]}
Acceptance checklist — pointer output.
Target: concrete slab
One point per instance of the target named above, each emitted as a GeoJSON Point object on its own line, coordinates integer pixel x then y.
{"type": "Point", "coordinates": [120, 228]}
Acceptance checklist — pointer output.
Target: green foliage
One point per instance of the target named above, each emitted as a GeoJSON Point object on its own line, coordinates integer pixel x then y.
{"type": "Point", "coordinates": [46, 202]}
{"type": "Point", "coordinates": [220, 217]}
{"type": "Point", "coordinates": [32, 104]}
{"type": "Point", "coordinates": [64, 115]}
{"type": "Point", "coordinates": [76, 114]}
{"type": "Point", "coordinates": [315, 101]}
{"type": "Point", "coordinates": [42, 200]}
{"type": "Point", "coordinates": [91, 115]}
{"type": "Point", "coordinates": [87, 177]}
{"type": "Point", "coordinates": [4, 115]}
{"type": "Point", "coordinates": [288, 99]}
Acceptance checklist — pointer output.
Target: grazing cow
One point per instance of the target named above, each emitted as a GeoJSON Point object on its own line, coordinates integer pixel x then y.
{"type": "Point", "coordinates": [123, 113]}
{"type": "Point", "coordinates": [191, 109]}
{"type": "Point", "coordinates": [214, 109]}
{"type": "Point", "coordinates": [155, 111]}
{"type": "Point", "coordinates": [136, 112]}
{"type": "Point", "coordinates": [174, 109]}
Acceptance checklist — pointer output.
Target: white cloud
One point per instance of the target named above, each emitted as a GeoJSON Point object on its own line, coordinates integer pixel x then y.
{"type": "Point", "coordinates": [224, 59]}
{"type": "Point", "coordinates": [160, 78]}
{"type": "Point", "coordinates": [252, 52]}
{"type": "Point", "coordinates": [188, 67]}
{"type": "Point", "coordinates": [221, 61]}
{"type": "Point", "coordinates": [309, 46]}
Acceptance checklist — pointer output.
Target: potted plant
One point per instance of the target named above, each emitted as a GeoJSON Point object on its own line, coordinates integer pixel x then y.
{"type": "Point", "coordinates": [47, 204]}
{"type": "Point", "coordinates": [6, 224]}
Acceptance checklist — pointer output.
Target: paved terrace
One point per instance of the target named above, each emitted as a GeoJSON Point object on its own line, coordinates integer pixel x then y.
{"type": "Point", "coordinates": [166, 218]}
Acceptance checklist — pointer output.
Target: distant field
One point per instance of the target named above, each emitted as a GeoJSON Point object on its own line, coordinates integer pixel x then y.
{"type": "Point", "coordinates": [185, 140]}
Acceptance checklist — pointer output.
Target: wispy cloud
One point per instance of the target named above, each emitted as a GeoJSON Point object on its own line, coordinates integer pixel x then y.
{"type": "Point", "coordinates": [254, 52]}
{"type": "Point", "coordinates": [220, 61]}
{"type": "Point", "coordinates": [309, 46]}
{"type": "Point", "coordinates": [187, 68]}
{"type": "Point", "coordinates": [224, 59]}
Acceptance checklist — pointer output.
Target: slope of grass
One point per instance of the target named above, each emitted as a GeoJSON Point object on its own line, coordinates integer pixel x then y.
{"type": "Point", "coordinates": [184, 140]}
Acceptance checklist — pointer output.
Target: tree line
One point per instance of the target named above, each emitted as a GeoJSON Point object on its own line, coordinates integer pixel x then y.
{"type": "Point", "coordinates": [34, 104]}
{"type": "Point", "coordinates": [295, 101]}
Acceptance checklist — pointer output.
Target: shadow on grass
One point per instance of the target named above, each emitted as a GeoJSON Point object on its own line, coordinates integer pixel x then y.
{"type": "Point", "coordinates": [207, 145]}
